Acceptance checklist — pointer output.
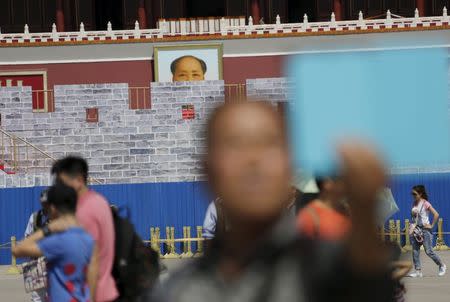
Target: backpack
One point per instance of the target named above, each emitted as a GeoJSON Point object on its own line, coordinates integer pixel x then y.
{"type": "Point", "coordinates": [136, 266]}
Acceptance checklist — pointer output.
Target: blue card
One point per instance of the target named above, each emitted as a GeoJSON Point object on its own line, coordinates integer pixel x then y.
{"type": "Point", "coordinates": [397, 100]}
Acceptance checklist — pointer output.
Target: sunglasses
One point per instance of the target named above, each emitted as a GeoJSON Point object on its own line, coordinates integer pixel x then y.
{"type": "Point", "coordinates": [414, 194]}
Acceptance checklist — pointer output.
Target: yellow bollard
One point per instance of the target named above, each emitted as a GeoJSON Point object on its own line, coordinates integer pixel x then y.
{"type": "Point", "coordinates": [167, 243]}
{"type": "Point", "coordinates": [440, 243]}
{"type": "Point", "coordinates": [13, 269]}
{"type": "Point", "coordinates": [398, 233]}
{"type": "Point", "coordinates": [382, 234]}
{"type": "Point", "coordinates": [154, 239]}
{"type": "Point", "coordinates": [172, 233]}
{"type": "Point", "coordinates": [158, 241]}
{"type": "Point", "coordinates": [183, 255]}
{"type": "Point", "coordinates": [407, 246]}
{"type": "Point", "coordinates": [170, 243]}
{"type": "Point", "coordinates": [189, 246]}
{"type": "Point", "coordinates": [199, 251]}
{"type": "Point", "coordinates": [392, 230]}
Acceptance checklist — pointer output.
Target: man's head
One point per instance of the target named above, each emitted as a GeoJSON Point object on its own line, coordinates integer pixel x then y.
{"type": "Point", "coordinates": [248, 162]}
{"type": "Point", "coordinates": [187, 69]}
{"type": "Point", "coordinates": [62, 200]}
{"type": "Point", "coordinates": [43, 199]}
{"type": "Point", "coordinates": [72, 171]}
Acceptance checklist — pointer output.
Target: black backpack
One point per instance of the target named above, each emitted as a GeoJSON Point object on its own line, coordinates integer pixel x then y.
{"type": "Point", "coordinates": [136, 266]}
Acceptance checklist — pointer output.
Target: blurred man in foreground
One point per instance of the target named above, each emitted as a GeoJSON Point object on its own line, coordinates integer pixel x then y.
{"type": "Point", "coordinates": [261, 258]}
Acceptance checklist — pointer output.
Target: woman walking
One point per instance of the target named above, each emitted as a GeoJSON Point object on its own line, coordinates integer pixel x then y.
{"type": "Point", "coordinates": [422, 232]}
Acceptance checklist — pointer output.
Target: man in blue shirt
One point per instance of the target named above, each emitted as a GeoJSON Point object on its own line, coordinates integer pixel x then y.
{"type": "Point", "coordinates": [68, 254]}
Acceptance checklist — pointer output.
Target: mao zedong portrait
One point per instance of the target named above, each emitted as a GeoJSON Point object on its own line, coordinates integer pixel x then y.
{"type": "Point", "coordinates": [188, 68]}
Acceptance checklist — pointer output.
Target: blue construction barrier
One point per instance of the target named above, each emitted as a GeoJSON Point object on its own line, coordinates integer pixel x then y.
{"type": "Point", "coordinates": [438, 189]}
{"type": "Point", "coordinates": [147, 205]}
{"type": "Point", "coordinates": [184, 204]}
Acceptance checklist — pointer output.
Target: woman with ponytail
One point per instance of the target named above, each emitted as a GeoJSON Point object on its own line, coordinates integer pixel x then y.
{"type": "Point", "coordinates": [421, 230]}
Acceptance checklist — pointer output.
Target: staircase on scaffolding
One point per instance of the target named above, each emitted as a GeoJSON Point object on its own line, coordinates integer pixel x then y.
{"type": "Point", "coordinates": [19, 156]}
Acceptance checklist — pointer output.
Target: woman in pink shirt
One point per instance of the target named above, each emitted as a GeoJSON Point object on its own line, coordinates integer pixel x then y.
{"type": "Point", "coordinates": [420, 215]}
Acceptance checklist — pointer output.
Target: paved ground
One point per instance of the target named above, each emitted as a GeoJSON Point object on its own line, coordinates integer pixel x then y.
{"type": "Point", "coordinates": [430, 288]}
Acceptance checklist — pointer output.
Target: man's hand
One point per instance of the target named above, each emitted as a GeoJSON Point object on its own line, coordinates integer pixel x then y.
{"type": "Point", "coordinates": [364, 176]}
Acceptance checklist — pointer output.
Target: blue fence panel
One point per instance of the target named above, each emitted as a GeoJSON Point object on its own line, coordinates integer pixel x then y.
{"type": "Point", "coordinates": [147, 205]}
{"type": "Point", "coordinates": [184, 204]}
{"type": "Point", "coordinates": [16, 206]}
{"type": "Point", "coordinates": [438, 189]}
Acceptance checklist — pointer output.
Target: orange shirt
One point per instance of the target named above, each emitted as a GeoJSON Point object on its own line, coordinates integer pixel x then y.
{"type": "Point", "coordinates": [319, 221]}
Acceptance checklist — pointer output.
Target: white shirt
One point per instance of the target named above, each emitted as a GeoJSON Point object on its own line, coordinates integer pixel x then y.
{"type": "Point", "coordinates": [423, 210]}
{"type": "Point", "coordinates": [210, 222]}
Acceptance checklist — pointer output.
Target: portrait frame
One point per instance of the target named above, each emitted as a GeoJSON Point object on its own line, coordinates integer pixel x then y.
{"type": "Point", "coordinates": [187, 49]}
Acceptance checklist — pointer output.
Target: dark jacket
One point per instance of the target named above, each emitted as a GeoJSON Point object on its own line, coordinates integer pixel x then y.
{"type": "Point", "coordinates": [284, 268]}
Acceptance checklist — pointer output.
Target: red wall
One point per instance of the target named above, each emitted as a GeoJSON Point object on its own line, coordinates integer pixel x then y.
{"type": "Point", "coordinates": [35, 81]}
{"type": "Point", "coordinates": [137, 73]}
{"type": "Point", "coordinates": [140, 73]}
{"type": "Point", "coordinates": [237, 70]}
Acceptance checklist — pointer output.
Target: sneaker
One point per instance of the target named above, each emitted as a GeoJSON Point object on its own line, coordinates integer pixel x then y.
{"type": "Point", "coordinates": [442, 270]}
{"type": "Point", "coordinates": [416, 274]}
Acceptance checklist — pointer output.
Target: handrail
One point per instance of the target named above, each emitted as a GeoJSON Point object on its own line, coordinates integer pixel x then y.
{"type": "Point", "coordinates": [42, 152]}
{"type": "Point", "coordinates": [27, 143]}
